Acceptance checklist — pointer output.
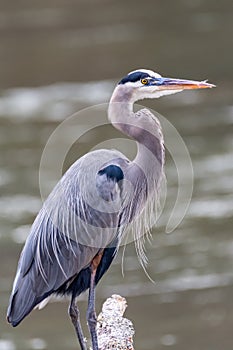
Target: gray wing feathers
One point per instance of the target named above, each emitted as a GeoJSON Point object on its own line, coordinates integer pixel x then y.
{"type": "Point", "coordinates": [64, 238]}
{"type": "Point", "coordinates": [41, 272]}
{"type": "Point", "coordinates": [32, 284]}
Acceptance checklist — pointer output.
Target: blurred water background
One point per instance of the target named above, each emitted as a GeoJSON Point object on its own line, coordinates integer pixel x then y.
{"type": "Point", "coordinates": [57, 57]}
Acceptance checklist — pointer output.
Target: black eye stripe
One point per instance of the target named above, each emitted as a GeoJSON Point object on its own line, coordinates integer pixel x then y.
{"type": "Point", "coordinates": [133, 77]}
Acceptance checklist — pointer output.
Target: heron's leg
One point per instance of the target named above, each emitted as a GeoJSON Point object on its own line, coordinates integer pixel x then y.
{"type": "Point", "coordinates": [91, 315]}
{"type": "Point", "coordinates": [74, 315]}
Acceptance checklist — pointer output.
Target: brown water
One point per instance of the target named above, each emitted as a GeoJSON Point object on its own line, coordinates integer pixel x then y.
{"type": "Point", "coordinates": [58, 57]}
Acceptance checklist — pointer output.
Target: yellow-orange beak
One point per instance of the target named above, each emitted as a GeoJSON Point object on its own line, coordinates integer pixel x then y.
{"type": "Point", "coordinates": [181, 84]}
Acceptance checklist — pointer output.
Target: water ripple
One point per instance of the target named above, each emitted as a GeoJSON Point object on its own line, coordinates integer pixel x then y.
{"type": "Point", "coordinates": [177, 284]}
{"type": "Point", "coordinates": [17, 207]}
{"type": "Point", "coordinates": [52, 102]}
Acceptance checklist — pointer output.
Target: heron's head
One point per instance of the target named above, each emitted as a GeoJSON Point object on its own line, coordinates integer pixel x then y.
{"type": "Point", "coordinates": [147, 84]}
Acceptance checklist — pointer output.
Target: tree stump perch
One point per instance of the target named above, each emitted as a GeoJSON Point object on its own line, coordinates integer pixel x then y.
{"type": "Point", "coordinates": [113, 330]}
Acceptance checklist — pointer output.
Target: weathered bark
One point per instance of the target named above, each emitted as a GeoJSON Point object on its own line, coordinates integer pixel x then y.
{"type": "Point", "coordinates": [113, 330]}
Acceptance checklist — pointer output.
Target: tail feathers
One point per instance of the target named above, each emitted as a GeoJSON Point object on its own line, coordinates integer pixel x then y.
{"type": "Point", "coordinates": [22, 301]}
{"type": "Point", "coordinates": [43, 303]}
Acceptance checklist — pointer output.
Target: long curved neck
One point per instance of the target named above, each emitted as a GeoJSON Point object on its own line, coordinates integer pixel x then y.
{"type": "Point", "coordinates": [143, 127]}
{"type": "Point", "coordinates": [120, 112]}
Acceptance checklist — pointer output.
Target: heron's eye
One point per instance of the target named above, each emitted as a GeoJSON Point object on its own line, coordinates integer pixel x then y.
{"type": "Point", "coordinates": [144, 81]}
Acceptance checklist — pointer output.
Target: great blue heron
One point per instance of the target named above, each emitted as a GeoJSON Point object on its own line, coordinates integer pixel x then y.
{"type": "Point", "coordinates": [77, 233]}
